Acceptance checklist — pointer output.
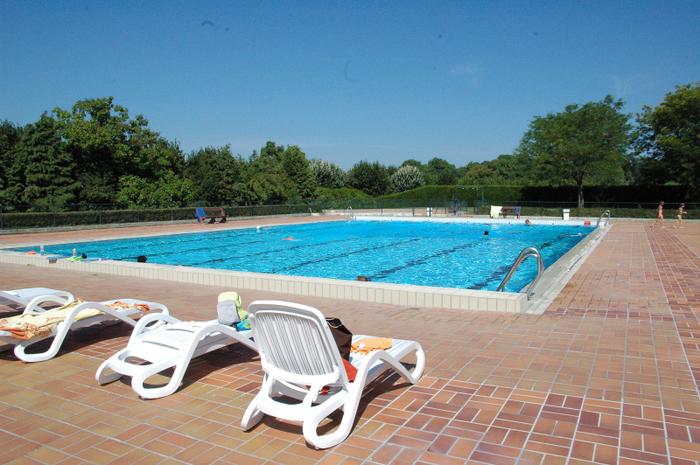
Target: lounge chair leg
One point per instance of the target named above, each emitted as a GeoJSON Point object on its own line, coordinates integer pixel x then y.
{"type": "Point", "coordinates": [310, 427]}
{"type": "Point", "coordinates": [105, 374]}
{"type": "Point", "coordinates": [138, 382]}
{"type": "Point", "coordinates": [53, 349]}
{"type": "Point", "coordinates": [253, 415]}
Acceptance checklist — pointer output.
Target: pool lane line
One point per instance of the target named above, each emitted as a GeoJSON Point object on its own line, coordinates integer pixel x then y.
{"type": "Point", "coordinates": [263, 252]}
{"type": "Point", "coordinates": [171, 239]}
{"type": "Point", "coordinates": [197, 249]}
{"type": "Point", "coordinates": [420, 261]}
{"type": "Point", "coordinates": [501, 271]}
{"type": "Point", "coordinates": [139, 248]}
{"type": "Point", "coordinates": [149, 243]}
{"type": "Point", "coordinates": [498, 273]}
{"type": "Point", "coordinates": [345, 254]}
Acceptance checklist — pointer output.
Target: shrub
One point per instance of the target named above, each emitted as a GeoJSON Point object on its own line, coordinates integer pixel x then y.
{"type": "Point", "coordinates": [406, 178]}
{"type": "Point", "coordinates": [327, 174]}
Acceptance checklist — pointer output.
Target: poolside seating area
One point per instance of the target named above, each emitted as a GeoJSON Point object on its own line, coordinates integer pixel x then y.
{"type": "Point", "coordinates": [608, 375]}
{"type": "Point", "coordinates": [297, 352]}
{"type": "Point", "coordinates": [202, 214]}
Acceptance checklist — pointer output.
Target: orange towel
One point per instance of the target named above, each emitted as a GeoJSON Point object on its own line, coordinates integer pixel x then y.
{"type": "Point", "coordinates": [368, 344]}
{"type": "Point", "coordinates": [119, 305]}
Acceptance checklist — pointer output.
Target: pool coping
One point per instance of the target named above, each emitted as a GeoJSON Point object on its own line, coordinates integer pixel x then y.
{"type": "Point", "coordinates": [370, 292]}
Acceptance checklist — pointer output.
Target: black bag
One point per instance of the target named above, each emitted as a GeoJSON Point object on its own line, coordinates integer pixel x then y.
{"type": "Point", "coordinates": [342, 336]}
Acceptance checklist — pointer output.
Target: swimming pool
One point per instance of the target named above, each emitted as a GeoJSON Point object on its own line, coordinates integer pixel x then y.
{"type": "Point", "coordinates": [448, 255]}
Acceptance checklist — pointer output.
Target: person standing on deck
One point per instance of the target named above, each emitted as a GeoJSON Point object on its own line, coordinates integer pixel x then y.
{"type": "Point", "coordinates": [681, 214]}
{"type": "Point", "coordinates": [660, 214]}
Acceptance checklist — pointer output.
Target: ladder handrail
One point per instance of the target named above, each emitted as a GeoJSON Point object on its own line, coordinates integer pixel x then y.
{"type": "Point", "coordinates": [605, 214]}
{"type": "Point", "coordinates": [522, 256]}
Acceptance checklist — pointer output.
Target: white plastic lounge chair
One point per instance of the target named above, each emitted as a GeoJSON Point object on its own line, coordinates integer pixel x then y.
{"type": "Point", "coordinates": [30, 297]}
{"type": "Point", "coordinates": [32, 326]}
{"type": "Point", "coordinates": [300, 357]}
{"type": "Point", "coordinates": [172, 345]}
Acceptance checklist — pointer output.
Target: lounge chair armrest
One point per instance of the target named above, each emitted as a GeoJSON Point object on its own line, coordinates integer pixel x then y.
{"type": "Point", "coordinates": [34, 305]}
{"type": "Point", "coordinates": [158, 318]}
{"type": "Point", "coordinates": [223, 329]}
{"type": "Point", "coordinates": [384, 356]}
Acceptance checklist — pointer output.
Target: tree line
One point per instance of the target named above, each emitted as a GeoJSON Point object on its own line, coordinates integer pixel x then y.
{"type": "Point", "coordinates": [96, 153]}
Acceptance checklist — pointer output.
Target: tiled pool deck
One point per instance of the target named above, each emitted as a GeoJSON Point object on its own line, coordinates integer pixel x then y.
{"type": "Point", "coordinates": [608, 374]}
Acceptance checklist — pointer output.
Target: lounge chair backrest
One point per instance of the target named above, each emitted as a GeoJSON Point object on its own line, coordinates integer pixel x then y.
{"type": "Point", "coordinates": [295, 343]}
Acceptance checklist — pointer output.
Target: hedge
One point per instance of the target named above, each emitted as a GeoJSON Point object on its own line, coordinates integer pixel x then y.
{"type": "Point", "coordinates": [623, 196]}
{"type": "Point", "coordinates": [624, 201]}
{"type": "Point", "coordinates": [53, 219]}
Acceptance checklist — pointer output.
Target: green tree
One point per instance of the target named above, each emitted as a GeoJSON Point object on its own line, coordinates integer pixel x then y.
{"type": "Point", "coordinates": [169, 191]}
{"type": "Point", "coordinates": [94, 131]}
{"type": "Point", "coordinates": [503, 170]}
{"type": "Point", "coordinates": [327, 174]}
{"type": "Point", "coordinates": [280, 174]}
{"type": "Point", "coordinates": [439, 171]}
{"type": "Point", "coordinates": [43, 170]}
{"type": "Point", "coordinates": [412, 162]}
{"type": "Point", "coordinates": [9, 136]}
{"type": "Point", "coordinates": [107, 144]}
{"type": "Point", "coordinates": [271, 187]}
{"type": "Point", "coordinates": [298, 170]}
{"type": "Point", "coordinates": [584, 143]}
{"type": "Point", "coordinates": [405, 178]}
{"type": "Point", "coordinates": [216, 175]}
{"type": "Point", "coordinates": [371, 178]}
{"type": "Point", "coordinates": [669, 138]}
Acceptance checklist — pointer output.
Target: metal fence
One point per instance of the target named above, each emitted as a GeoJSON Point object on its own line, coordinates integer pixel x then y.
{"type": "Point", "coordinates": [111, 214]}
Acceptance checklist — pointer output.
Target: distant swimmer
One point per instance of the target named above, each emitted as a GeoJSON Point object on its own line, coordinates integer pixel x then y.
{"type": "Point", "coordinates": [486, 233]}
{"type": "Point", "coordinates": [289, 238]}
{"type": "Point", "coordinates": [142, 259]}
{"type": "Point", "coordinates": [362, 278]}
{"type": "Point", "coordinates": [528, 222]}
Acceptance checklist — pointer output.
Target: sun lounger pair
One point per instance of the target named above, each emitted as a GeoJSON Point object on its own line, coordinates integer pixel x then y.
{"type": "Point", "coordinates": [297, 352]}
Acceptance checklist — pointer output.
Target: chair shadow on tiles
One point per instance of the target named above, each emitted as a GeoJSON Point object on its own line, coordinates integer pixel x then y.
{"type": "Point", "coordinates": [234, 357]}
{"type": "Point", "coordinates": [99, 337]}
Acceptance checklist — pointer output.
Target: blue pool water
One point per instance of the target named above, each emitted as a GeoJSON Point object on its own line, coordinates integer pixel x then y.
{"type": "Point", "coordinates": [456, 255]}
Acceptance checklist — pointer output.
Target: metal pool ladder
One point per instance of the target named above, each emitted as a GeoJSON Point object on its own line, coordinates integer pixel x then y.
{"type": "Point", "coordinates": [522, 256]}
{"type": "Point", "coordinates": [605, 214]}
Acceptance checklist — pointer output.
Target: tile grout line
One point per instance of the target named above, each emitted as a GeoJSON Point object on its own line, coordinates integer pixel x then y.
{"type": "Point", "coordinates": [569, 458]}
{"type": "Point", "coordinates": [658, 373]}
{"type": "Point", "coordinates": [658, 256]}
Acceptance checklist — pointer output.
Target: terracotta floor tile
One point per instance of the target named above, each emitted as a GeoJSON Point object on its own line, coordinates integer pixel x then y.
{"type": "Point", "coordinates": [607, 375]}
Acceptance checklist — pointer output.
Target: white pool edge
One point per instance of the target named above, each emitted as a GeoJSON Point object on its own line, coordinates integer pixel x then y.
{"type": "Point", "coordinates": [555, 278]}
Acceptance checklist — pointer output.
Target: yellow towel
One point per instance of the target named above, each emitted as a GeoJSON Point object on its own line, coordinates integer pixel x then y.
{"type": "Point", "coordinates": [34, 325]}
{"type": "Point", "coordinates": [368, 344]}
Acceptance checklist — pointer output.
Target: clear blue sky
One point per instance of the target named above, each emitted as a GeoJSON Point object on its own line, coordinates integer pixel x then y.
{"type": "Point", "coordinates": [348, 81]}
